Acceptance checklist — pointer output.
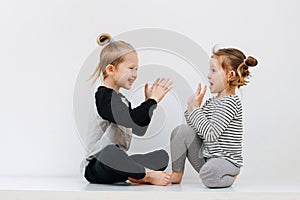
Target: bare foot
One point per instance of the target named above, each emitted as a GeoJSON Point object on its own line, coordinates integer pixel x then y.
{"type": "Point", "coordinates": [154, 177]}
{"type": "Point", "coordinates": [234, 177]}
{"type": "Point", "coordinates": [176, 177]}
{"type": "Point", "coordinates": [136, 180]}
{"type": "Point", "coordinates": [157, 178]}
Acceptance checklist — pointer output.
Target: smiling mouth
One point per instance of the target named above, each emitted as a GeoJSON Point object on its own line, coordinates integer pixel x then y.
{"type": "Point", "coordinates": [131, 80]}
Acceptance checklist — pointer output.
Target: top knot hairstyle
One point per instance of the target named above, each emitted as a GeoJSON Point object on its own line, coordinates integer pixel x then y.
{"type": "Point", "coordinates": [104, 39]}
{"type": "Point", "coordinates": [234, 59]}
{"type": "Point", "coordinates": [113, 53]}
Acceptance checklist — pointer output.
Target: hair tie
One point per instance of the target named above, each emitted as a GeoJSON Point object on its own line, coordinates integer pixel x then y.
{"type": "Point", "coordinates": [245, 62]}
{"type": "Point", "coordinates": [112, 40]}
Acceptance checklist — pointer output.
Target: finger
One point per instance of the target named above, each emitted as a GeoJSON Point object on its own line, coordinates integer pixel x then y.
{"type": "Point", "coordinates": [198, 89]}
{"type": "Point", "coordinates": [162, 81]}
{"type": "Point", "coordinates": [204, 90]}
{"type": "Point", "coordinates": [171, 86]}
{"type": "Point", "coordinates": [167, 80]}
{"type": "Point", "coordinates": [146, 86]}
{"type": "Point", "coordinates": [168, 89]}
{"type": "Point", "coordinates": [169, 83]}
{"type": "Point", "coordinates": [156, 82]}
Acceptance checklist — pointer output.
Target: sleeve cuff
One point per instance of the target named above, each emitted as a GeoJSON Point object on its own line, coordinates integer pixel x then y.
{"type": "Point", "coordinates": [151, 101]}
{"type": "Point", "coordinates": [189, 117]}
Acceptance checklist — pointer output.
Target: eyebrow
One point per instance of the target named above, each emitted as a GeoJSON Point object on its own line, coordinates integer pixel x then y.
{"type": "Point", "coordinates": [133, 65]}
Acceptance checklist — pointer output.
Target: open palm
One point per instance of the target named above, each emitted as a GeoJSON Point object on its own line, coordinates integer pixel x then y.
{"type": "Point", "coordinates": [196, 99]}
{"type": "Point", "coordinates": [148, 91]}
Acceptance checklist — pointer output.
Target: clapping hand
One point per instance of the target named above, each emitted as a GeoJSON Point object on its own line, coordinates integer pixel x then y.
{"type": "Point", "coordinates": [159, 89]}
{"type": "Point", "coordinates": [148, 91]}
{"type": "Point", "coordinates": [195, 100]}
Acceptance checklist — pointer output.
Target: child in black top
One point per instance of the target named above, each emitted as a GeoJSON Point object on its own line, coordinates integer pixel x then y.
{"type": "Point", "coordinates": [107, 161]}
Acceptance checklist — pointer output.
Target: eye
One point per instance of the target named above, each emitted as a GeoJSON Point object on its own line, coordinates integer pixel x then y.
{"type": "Point", "coordinates": [133, 68]}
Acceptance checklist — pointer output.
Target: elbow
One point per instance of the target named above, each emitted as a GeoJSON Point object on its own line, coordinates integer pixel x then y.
{"type": "Point", "coordinates": [141, 122]}
{"type": "Point", "coordinates": [140, 130]}
{"type": "Point", "coordinates": [141, 134]}
{"type": "Point", "coordinates": [211, 136]}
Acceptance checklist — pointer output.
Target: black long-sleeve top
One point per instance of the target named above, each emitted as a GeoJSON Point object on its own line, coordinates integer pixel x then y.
{"type": "Point", "coordinates": [115, 108]}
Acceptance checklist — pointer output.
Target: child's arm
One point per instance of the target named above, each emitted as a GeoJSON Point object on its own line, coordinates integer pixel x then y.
{"type": "Point", "coordinates": [211, 129]}
{"type": "Point", "coordinates": [114, 108]}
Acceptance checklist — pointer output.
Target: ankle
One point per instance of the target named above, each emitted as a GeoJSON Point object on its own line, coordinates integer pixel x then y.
{"type": "Point", "coordinates": [176, 177]}
{"type": "Point", "coordinates": [147, 177]}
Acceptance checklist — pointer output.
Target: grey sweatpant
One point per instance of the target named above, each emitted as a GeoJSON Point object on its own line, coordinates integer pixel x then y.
{"type": "Point", "coordinates": [214, 172]}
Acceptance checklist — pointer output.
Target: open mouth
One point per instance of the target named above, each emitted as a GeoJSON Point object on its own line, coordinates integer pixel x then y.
{"type": "Point", "coordinates": [131, 80]}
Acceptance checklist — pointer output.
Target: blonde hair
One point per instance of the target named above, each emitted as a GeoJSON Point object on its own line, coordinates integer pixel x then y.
{"type": "Point", "coordinates": [234, 59]}
{"type": "Point", "coordinates": [112, 54]}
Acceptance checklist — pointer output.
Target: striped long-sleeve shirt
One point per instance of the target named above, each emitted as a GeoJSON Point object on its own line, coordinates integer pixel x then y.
{"type": "Point", "coordinates": [219, 124]}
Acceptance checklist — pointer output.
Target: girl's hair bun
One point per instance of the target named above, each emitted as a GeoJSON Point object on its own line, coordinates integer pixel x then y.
{"type": "Point", "coordinates": [250, 61]}
{"type": "Point", "coordinates": [103, 39]}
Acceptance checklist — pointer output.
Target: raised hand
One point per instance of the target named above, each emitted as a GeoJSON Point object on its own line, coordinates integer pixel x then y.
{"type": "Point", "coordinates": [196, 99]}
{"type": "Point", "coordinates": [148, 91]}
{"type": "Point", "coordinates": [160, 89]}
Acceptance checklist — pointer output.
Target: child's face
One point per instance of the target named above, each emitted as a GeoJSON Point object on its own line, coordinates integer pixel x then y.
{"type": "Point", "coordinates": [126, 72]}
{"type": "Point", "coordinates": [217, 77]}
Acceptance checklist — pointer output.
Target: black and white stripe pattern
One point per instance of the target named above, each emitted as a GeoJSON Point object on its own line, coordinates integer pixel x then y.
{"type": "Point", "coordinates": [219, 124]}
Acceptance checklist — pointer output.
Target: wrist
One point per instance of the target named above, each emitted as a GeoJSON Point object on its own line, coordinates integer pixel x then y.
{"type": "Point", "coordinates": [191, 109]}
{"type": "Point", "coordinates": [154, 98]}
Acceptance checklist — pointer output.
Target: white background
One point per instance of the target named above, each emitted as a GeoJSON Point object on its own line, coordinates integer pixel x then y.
{"type": "Point", "coordinates": [43, 45]}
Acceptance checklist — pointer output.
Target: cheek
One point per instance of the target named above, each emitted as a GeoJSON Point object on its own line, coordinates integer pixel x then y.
{"type": "Point", "coordinates": [221, 77]}
{"type": "Point", "coordinates": [123, 74]}
{"type": "Point", "coordinates": [217, 77]}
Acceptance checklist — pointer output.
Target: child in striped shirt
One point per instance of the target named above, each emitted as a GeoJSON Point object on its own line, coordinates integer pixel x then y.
{"type": "Point", "coordinates": [212, 138]}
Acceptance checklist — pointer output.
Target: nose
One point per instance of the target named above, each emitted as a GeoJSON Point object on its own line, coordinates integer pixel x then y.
{"type": "Point", "coordinates": [134, 73]}
{"type": "Point", "coordinates": [208, 76]}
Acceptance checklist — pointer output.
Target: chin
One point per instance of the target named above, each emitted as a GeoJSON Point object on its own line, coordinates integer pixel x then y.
{"type": "Point", "coordinates": [213, 92]}
{"type": "Point", "coordinates": [127, 87]}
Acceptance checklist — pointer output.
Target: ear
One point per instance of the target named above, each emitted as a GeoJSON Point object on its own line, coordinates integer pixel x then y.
{"type": "Point", "coordinates": [231, 74]}
{"type": "Point", "coordinates": [110, 69]}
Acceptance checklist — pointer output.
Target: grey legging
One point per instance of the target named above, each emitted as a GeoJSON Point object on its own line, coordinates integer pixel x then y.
{"type": "Point", "coordinates": [214, 172]}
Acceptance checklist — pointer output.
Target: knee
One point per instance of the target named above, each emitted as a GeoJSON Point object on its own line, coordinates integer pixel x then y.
{"type": "Point", "coordinates": [180, 131]}
{"type": "Point", "coordinates": [108, 152]}
{"type": "Point", "coordinates": [110, 148]}
{"type": "Point", "coordinates": [211, 178]}
{"type": "Point", "coordinates": [208, 176]}
{"type": "Point", "coordinates": [164, 157]}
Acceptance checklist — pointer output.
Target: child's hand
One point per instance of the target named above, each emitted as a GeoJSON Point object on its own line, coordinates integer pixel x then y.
{"type": "Point", "coordinates": [148, 91]}
{"type": "Point", "coordinates": [195, 100]}
{"type": "Point", "coordinates": [160, 89]}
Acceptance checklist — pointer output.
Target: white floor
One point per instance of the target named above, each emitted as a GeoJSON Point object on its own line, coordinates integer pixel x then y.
{"type": "Point", "coordinates": [77, 188]}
